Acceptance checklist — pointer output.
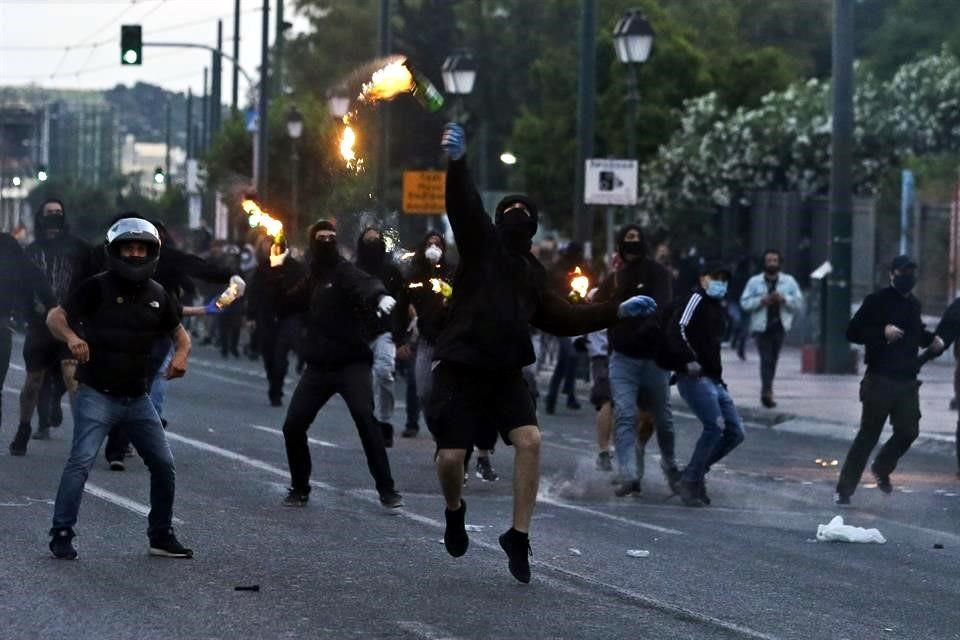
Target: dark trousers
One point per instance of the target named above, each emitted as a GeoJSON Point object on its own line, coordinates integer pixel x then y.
{"type": "Point", "coordinates": [51, 390]}
{"type": "Point", "coordinates": [882, 398]}
{"type": "Point", "coordinates": [354, 384]}
{"type": "Point", "coordinates": [276, 342]}
{"type": "Point", "coordinates": [6, 348]}
{"type": "Point", "coordinates": [565, 373]}
{"type": "Point", "coordinates": [769, 344]}
{"type": "Point", "coordinates": [405, 368]}
{"type": "Point", "coordinates": [956, 394]}
{"type": "Point", "coordinates": [230, 325]}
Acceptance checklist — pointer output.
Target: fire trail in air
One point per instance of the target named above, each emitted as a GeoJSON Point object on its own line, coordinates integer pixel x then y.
{"type": "Point", "coordinates": [257, 217]}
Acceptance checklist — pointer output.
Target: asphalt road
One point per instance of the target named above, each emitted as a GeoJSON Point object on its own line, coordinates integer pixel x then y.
{"type": "Point", "coordinates": [746, 567]}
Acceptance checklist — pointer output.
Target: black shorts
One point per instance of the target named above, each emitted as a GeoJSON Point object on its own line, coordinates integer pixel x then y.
{"type": "Point", "coordinates": [469, 407]}
{"type": "Point", "coordinates": [600, 372]}
{"type": "Point", "coordinates": [42, 351]}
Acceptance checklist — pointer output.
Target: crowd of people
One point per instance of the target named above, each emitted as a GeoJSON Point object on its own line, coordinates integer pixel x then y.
{"type": "Point", "coordinates": [110, 325]}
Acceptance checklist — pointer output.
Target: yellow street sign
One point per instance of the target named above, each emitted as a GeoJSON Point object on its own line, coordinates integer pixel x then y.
{"type": "Point", "coordinates": [423, 192]}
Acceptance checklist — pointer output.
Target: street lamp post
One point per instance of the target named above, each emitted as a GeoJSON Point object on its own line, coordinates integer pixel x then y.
{"type": "Point", "coordinates": [459, 74]}
{"type": "Point", "coordinates": [633, 41]}
{"type": "Point", "coordinates": [294, 131]}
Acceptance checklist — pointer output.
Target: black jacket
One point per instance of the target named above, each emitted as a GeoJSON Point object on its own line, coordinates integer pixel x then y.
{"type": "Point", "coordinates": [431, 307]}
{"type": "Point", "coordinates": [265, 302]}
{"type": "Point", "coordinates": [23, 286]}
{"type": "Point", "coordinates": [637, 337]}
{"type": "Point", "coordinates": [388, 273]}
{"type": "Point", "coordinates": [497, 295]}
{"type": "Point", "coordinates": [702, 325]}
{"type": "Point", "coordinates": [949, 326]}
{"type": "Point", "coordinates": [336, 302]}
{"type": "Point", "coordinates": [887, 306]}
{"type": "Point", "coordinates": [65, 262]}
{"type": "Point", "coordinates": [176, 268]}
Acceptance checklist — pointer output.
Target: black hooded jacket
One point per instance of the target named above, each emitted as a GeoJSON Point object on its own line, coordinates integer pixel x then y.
{"type": "Point", "coordinates": [65, 261]}
{"type": "Point", "coordinates": [23, 287]}
{"type": "Point", "coordinates": [431, 307]}
{"type": "Point", "coordinates": [637, 337]}
{"type": "Point", "coordinates": [497, 294]}
{"type": "Point", "coordinates": [382, 267]}
{"type": "Point", "coordinates": [702, 325]}
{"type": "Point", "coordinates": [337, 299]}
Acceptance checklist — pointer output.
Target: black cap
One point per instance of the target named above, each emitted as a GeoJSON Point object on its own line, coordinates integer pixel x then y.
{"type": "Point", "coordinates": [902, 262]}
{"type": "Point", "coordinates": [716, 267]}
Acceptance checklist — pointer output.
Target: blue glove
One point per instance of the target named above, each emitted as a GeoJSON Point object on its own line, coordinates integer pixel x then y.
{"type": "Point", "coordinates": [637, 306]}
{"type": "Point", "coordinates": [211, 308]}
{"type": "Point", "coordinates": [454, 141]}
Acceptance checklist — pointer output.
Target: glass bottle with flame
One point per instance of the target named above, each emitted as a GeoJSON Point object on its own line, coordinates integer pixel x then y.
{"type": "Point", "coordinates": [579, 285]}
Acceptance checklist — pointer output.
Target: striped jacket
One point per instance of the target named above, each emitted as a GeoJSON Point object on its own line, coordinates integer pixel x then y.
{"type": "Point", "coordinates": [701, 327]}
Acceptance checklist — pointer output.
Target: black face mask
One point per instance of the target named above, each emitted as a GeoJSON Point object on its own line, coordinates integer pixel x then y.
{"type": "Point", "coordinates": [771, 269]}
{"type": "Point", "coordinates": [371, 252]}
{"type": "Point", "coordinates": [904, 282]}
{"type": "Point", "coordinates": [515, 237]}
{"type": "Point", "coordinates": [631, 248]}
{"type": "Point", "coordinates": [54, 223]}
{"type": "Point", "coordinates": [323, 255]}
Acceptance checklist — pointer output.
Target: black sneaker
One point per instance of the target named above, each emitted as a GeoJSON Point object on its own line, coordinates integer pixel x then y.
{"type": "Point", "coordinates": [629, 488]}
{"type": "Point", "coordinates": [883, 481]}
{"type": "Point", "coordinates": [703, 493]}
{"type": "Point", "coordinates": [573, 405]}
{"type": "Point", "coordinates": [410, 432]}
{"type": "Point", "coordinates": [296, 498]}
{"type": "Point", "coordinates": [689, 493]}
{"type": "Point", "coordinates": [391, 500]}
{"type": "Point", "coordinates": [61, 543]}
{"type": "Point", "coordinates": [19, 445]}
{"type": "Point", "coordinates": [455, 537]}
{"type": "Point", "coordinates": [517, 547]}
{"type": "Point", "coordinates": [485, 470]}
{"type": "Point", "coordinates": [117, 465]}
{"type": "Point", "coordinates": [276, 401]}
{"type": "Point", "coordinates": [166, 545]}
{"type": "Point", "coordinates": [56, 415]}
{"type": "Point", "coordinates": [673, 476]}
{"type": "Point", "coordinates": [768, 402]}
{"type": "Point", "coordinates": [841, 500]}
{"type": "Point", "coordinates": [41, 434]}
{"type": "Point", "coordinates": [604, 461]}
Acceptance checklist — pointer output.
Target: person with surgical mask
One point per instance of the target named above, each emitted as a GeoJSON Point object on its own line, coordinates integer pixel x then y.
{"type": "Point", "coordinates": [772, 298]}
{"type": "Point", "coordinates": [889, 325]}
{"type": "Point", "coordinates": [700, 383]}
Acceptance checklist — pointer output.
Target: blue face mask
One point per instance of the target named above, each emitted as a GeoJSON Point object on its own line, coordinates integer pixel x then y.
{"type": "Point", "coordinates": [717, 289]}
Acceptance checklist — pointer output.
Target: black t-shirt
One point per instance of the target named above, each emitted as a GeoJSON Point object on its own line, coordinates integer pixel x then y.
{"type": "Point", "coordinates": [121, 323]}
{"type": "Point", "coordinates": [773, 309]}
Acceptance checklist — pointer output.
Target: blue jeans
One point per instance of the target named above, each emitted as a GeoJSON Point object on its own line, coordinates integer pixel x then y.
{"type": "Point", "coordinates": [722, 427]}
{"type": "Point", "coordinates": [634, 380]}
{"type": "Point", "coordinates": [94, 414]}
{"type": "Point", "coordinates": [384, 368]}
{"type": "Point", "coordinates": [564, 374]}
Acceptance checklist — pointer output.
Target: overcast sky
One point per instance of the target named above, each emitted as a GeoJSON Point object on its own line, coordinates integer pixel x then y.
{"type": "Point", "coordinates": [75, 44]}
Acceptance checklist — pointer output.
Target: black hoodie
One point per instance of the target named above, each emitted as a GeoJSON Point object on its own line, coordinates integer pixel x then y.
{"type": "Point", "coordinates": [637, 337]}
{"type": "Point", "coordinates": [702, 325]}
{"type": "Point", "coordinates": [22, 285]}
{"type": "Point", "coordinates": [498, 294]}
{"type": "Point", "coordinates": [337, 300]}
{"type": "Point", "coordinates": [380, 265]}
{"type": "Point", "coordinates": [431, 307]}
{"type": "Point", "coordinates": [65, 261]}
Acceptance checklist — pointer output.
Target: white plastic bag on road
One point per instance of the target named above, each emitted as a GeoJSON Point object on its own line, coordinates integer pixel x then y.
{"type": "Point", "coordinates": [836, 531]}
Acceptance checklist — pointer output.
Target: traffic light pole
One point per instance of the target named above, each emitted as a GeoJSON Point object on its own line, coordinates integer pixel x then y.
{"type": "Point", "coordinates": [191, 45]}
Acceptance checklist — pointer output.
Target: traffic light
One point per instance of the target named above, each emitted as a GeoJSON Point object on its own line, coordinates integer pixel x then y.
{"type": "Point", "coordinates": [131, 44]}
{"type": "Point", "coordinates": [158, 176]}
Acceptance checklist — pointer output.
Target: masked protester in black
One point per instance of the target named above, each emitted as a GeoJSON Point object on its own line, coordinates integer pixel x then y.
{"type": "Point", "coordinates": [22, 287]}
{"type": "Point", "coordinates": [889, 325]}
{"type": "Point", "coordinates": [336, 297]}
{"type": "Point", "coordinates": [565, 372]}
{"type": "Point", "coordinates": [386, 333]}
{"type": "Point", "coordinates": [275, 324]}
{"type": "Point", "coordinates": [64, 260]}
{"type": "Point", "coordinates": [499, 291]}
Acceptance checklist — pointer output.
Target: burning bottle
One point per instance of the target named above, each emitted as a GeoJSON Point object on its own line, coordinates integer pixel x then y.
{"type": "Point", "coordinates": [229, 296]}
{"type": "Point", "coordinates": [425, 93]}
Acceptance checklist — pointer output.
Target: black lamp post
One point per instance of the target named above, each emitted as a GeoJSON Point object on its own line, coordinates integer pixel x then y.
{"type": "Point", "coordinates": [294, 131]}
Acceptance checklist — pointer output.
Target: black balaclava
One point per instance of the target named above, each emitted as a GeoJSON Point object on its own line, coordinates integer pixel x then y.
{"type": "Point", "coordinates": [54, 222]}
{"type": "Point", "coordinates": [371, 253]}
{"type": "Point", "coordinates": [323, 254]}
{"type": "Point", "coordinates": [516, 225]}
{"type": "Point", "coordinates": [626, 248]}
{"type": "Point", "coordinates": [905, 280]}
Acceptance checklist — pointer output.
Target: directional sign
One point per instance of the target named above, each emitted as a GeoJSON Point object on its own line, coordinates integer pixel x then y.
{"type": "Point", "coordinates": [611, 182]}
{"type": "Point", "coordinates": [423, 192]}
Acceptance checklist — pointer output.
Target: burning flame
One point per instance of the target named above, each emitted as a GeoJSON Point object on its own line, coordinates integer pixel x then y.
{"type": "Point", "coordinates": [387, 82]}
{"type": "Point", "coordinates": [415, 285]}
{"type": "Point", "coordinates": [348, 139]}
{"type": "Point", "coordinates": [579, 284]}
{"type": "Point", "coordinates": [257, 217]}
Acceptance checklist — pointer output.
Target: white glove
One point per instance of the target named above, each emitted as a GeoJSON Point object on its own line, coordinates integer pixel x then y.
{"type": "Point", "coordinates": [278, 259]}
{"type": "Point", "coordinates": [385, 306]}
{"type": "Point", "coordinates": [240, 284]}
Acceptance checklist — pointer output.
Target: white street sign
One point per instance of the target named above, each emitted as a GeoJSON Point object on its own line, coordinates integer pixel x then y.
{"type": "Point", "coordinates": [609, 181]}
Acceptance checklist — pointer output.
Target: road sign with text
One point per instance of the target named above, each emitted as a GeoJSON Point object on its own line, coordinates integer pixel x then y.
{"type": "Point", "coordinates": [423, 192]}
{"type": "Point", "coordinates": [609, 181]}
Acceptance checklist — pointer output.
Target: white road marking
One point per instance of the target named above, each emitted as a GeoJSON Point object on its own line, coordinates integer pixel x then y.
{"type": "Point", "coordinates": [425, 631]}
{"type": "Point", "coordinates": [120, 501]}
{"type": "Point", "coordinates": [321, 443]}
{"type": "Point", "coordinates": [607, 516]}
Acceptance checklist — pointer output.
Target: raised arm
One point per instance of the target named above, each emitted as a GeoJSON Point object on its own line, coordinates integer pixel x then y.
{"type": "Point", "coordinates": [472, 227]}
{"type": "Point", "coordinates": [558, 317]}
